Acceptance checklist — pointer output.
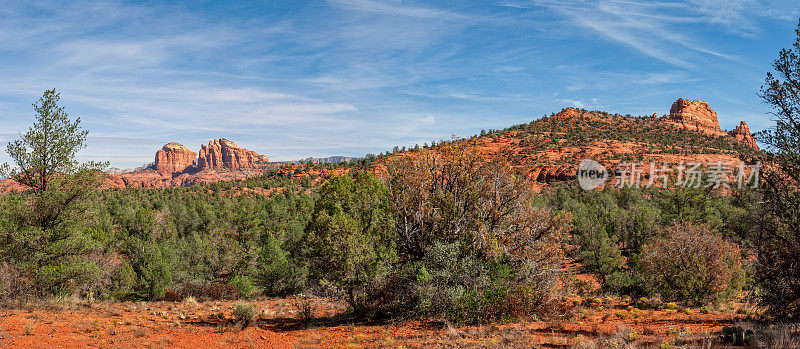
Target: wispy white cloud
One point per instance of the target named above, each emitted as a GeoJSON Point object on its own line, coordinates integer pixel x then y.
{"type": "Point", "coordinates": [566, 102]}
{"type": "Point", "coordinates": [592, 103]}
{"type": "Point", "coordinates": [659, 29]}
{"type": "Point", "coordinates": [397, 8]}
{"type": "Point", "coordinates": [348, 76]}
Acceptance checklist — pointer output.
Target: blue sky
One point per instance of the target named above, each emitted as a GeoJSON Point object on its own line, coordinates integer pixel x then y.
{"type": "Point", "coordinates": [292, 79]}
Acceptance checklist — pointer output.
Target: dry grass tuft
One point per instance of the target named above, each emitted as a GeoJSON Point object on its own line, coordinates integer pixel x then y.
{"type": "Point", "coordinates": [190, 301]}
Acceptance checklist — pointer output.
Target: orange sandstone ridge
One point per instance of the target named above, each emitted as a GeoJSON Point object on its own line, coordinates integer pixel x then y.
{"type": "Point", "coordinates": [550, 149]}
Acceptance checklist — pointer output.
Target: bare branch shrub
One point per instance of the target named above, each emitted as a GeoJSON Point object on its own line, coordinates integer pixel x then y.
{"type": "Point", "coordinates": [692, 264]}
{"type": "Point", "coordinates": [473, 244]}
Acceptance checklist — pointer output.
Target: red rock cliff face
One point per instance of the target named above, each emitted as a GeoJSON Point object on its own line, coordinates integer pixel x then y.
{"type": "Point", "coordinates": [742, 134]}
{"type": "Point", "coordinates": [695, 115]}
{"type": "Point", "coordinates": [222, 153]}
{"type": "Point", "coordinates": [174, 157]}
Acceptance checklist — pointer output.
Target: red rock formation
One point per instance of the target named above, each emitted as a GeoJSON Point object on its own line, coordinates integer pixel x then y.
{"type": "Point", "coordinates": [174, 160]}
{"type": "Point", "coordinates": [222, 153]}
{"type": "Point", "coordinates": [698, 116]}
{"type": "Point", "coordinates": [695, 115]}
{"type": "Point", "coordinates": [174, 157]}
{"type": "Point", "coordinates": [742, 134]}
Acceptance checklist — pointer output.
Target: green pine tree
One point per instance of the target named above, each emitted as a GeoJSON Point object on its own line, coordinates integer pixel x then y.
{"type": "Point", "coordinates": [43, 231]}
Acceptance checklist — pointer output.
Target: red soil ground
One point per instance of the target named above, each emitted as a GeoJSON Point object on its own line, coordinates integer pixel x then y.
{"type": "Point", "coordinates": [212, 325]}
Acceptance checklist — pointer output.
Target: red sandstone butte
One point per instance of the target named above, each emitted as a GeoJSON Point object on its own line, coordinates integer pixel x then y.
{"type": "Point", "coordinates": [696, 116]}
{"type": "Point", "coordinates": [174, 157]}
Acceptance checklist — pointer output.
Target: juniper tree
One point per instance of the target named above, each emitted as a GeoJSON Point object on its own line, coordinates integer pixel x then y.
{"type": "Point", "coordinates": [351, 238]}
{"type": "Point", "coordinates": [778, 236]}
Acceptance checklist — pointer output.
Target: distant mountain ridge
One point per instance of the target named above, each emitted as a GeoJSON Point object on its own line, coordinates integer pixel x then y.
{"type": "Point", "coordinates": [326, 160]}
{"type": "Point", "coordinates": [115, 170]}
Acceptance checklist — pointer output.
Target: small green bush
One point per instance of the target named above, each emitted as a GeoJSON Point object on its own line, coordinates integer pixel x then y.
{"type": "Point", "coordinates": [351, 239]}
{"type": "Point", "coordinates": [154, 268]}
{"type": "Point", "coordinates": [625, 282]}
{"type": "Point", "coordinates": [244, 314]}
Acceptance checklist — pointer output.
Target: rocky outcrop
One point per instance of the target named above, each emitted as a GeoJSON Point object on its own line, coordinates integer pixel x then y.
{"type": "Point", "coordinates": [10, 185]}
{"type": "Point", "coordinates": [569, 113]}
{"type": "Point", "coordinates": [742, 134]}
{"type": "Point", "coordinates": [222, 153]}
{"type": "Point", "coordinates": [174, 157]}
{"type": "Point", "coordinates": [695, 115]}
